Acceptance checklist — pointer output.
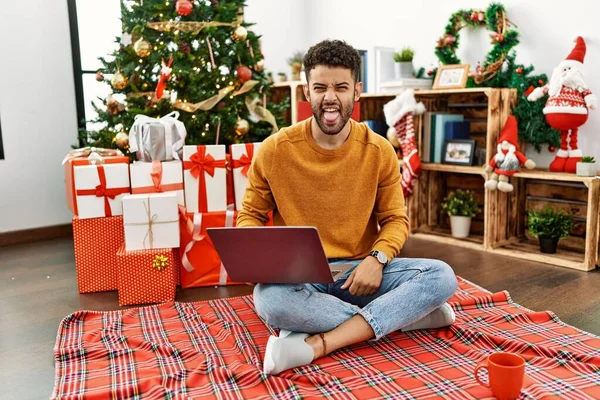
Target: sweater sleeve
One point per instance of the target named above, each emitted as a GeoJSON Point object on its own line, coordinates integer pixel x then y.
{"type": "Point", "coordinates": [258, 198]}
{"type": "Point", "coordinates": [390, 208]}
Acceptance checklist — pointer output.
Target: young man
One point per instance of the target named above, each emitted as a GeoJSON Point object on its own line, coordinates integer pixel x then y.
{"type": "Point", "coordinates": [336, 174]}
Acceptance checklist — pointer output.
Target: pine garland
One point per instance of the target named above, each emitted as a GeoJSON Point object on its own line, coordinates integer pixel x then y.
{"type": "Point", "coordinates": [500, 70]}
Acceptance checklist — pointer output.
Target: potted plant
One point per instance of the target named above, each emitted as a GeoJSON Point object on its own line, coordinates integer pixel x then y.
{"type": "Point", "coordinates": [282, 76]}
{"type": "Point", "coordinates": [404, 65]}
{"type": "Point", "coordinates": [586, 167]}
{"type": "Point", "coordinates": [295, 61]}
{"type": "Point", "coordinates": [461, 207]}
{"type": "Point", "coordinates": [549, 226]}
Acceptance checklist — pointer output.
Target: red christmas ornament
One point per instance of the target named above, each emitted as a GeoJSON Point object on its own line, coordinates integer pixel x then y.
{"type": "Point", "coordinates": [528, 91]}
{"type": "Point", "coordinates": [184, 7]}
{"type": "Point", "coordinates": [244, 73]}
{"type": "Point", "coordinates": [551, 149]}
{"type": "Point", "coordinates": [540, 82]}
{"type": "Point", "coordinates": [430, 72]}
{"type": "Point", "coordinates": [519, 70]}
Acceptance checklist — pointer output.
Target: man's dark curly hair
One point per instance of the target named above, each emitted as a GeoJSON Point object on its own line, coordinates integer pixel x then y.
{"type": "Point", "coordinates": [333, 53]}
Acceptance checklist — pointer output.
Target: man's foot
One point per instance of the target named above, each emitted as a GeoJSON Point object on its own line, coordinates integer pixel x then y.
{"type": "Point", "coordinates": [286, 352]}
{"type": "Point", "coordinates": [438, 318]}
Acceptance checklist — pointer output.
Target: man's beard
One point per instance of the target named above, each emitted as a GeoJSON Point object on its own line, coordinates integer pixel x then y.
{"type": "Point", "coordinates": [573, 79]}
{"type": "Point", "coordinates": [345, 111]}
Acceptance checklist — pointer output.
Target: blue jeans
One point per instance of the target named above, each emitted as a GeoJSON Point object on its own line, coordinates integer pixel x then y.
{"type": "Point", "coordinates": [410, 289]}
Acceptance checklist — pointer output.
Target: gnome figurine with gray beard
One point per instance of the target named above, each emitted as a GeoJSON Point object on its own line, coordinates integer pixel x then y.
{"type": "Point", "coordinates": [567, 106]}
{"type": "Point", "coordinates": [508, 159]}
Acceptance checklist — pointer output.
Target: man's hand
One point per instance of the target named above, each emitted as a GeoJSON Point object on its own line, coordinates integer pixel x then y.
{"type": "Point", "coordinates": [366, 278]}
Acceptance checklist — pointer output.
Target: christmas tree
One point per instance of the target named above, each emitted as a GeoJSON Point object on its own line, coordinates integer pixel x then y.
{"type": "Point", "coordinates": [195, 57]}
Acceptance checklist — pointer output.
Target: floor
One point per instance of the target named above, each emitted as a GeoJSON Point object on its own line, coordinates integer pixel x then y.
{"type": "Point", "coordinates": [38, 288]}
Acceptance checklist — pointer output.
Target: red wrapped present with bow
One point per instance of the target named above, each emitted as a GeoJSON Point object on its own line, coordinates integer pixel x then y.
{"type": "Point", "coordinates": [204, 177]}
{"type": "Point", "coordinates": [147, 276]}
{"type": "Point", "coordinates": [200, 262]}
{"type": "Point", "coordinates": [242, 155]}
{"type": "Point", "coordinates": [157, 177]}
{"type": "Point", "coordinates": [96, 241]}
{"type": "Point", "coordinates": [99, 189]}
{"type": "Point", "coordinates": [102, 194]}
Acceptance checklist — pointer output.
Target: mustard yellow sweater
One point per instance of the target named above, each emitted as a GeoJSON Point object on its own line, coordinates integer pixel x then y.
{"type": "Point", "coordinates": [345, 193]}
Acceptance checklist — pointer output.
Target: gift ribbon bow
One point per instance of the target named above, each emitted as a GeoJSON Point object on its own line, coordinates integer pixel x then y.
{"type": "Point", "coordinates": [157, 186]}
{"type": "Point", "coordinates": [194, 229]}
{"type": "Point", "coordinates": [160, 262]}
{"type": "Point", "coordinates": [200, 164]}
{"type": "Point", "coordinates": [94, 154]}
{"type": "Point", "coordinates": [151, 221]}
{"type": "Point", "coordinates": [102, 191]}
{"type": "Point", "coordinates": [245, 160]}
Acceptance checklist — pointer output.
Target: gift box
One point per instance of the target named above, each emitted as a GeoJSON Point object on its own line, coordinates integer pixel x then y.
{"type": "Point", "coordinates": [204, 177]}
{"type": "Point", "coordinates": [153, 139]}
{"type": "Point", "coordinates": [86, 156]}
{"type": "Point", "coordinates": [151, 221]}
{"type": "Point", "coordinates": [230, 195]}
{"type": "Point", "coordinates": [242, 155]}
{"type": "Point", "coordinates": [99, 189]}
{"type": "Point", "coordinates": [147, 276]}
{"type": "Point", "coordinates": [96, 242]}
{"type": "Point", "coordinates": [200, 263]}
{"type": "Point", "coordinates": [157, 177]}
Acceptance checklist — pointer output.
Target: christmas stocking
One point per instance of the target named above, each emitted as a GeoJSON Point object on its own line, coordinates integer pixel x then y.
{"type": "Point", "coordinates": [399, 114]}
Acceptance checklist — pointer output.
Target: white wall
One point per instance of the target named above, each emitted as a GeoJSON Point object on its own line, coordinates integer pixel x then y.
{"type": "Point", "coordinates": [37, 107]}
{"type": "Point", "coordinates": [546, 33]}
{"type": "Point", "coordinates": [282, 24]}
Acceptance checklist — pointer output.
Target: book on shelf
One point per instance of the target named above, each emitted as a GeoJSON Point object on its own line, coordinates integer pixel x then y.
{"type": "Point", "coordinates": [435, 130]}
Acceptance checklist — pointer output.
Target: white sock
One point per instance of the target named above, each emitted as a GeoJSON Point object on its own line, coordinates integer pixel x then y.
{"type": "Point", "coordinates": [438, 318]}
{"type": "Point", "coordinates": [287, 352]}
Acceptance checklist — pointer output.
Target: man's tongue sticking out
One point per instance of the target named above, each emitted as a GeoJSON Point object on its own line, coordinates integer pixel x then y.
{"type": "Point", "coordinates": [331, 114]}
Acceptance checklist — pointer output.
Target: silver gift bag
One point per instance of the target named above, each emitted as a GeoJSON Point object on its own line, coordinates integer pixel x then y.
{"type": "Point", "coordinates": [155, 139]}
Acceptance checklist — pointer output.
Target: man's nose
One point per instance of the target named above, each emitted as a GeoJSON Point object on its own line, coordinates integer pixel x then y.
{"type": "Point", "coordinates": [330, 94]}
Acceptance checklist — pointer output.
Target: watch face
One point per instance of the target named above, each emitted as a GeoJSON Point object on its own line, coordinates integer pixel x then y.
{"type": "Point", "coordinates": [381, 257]}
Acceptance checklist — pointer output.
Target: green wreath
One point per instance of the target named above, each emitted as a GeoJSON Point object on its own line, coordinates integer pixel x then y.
{"type": "Point", "coordinates": [503, 39]}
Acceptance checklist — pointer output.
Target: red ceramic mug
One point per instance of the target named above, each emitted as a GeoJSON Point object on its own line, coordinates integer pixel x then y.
{"type": "Point", "coordinates": [505, 375]}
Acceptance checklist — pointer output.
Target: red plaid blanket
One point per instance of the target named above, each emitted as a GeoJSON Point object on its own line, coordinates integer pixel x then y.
{"type": "Point", "coordinates": [214, 349]}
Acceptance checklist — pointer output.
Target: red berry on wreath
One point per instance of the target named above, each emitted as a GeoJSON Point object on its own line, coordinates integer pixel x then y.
{"type": "Point", "coordinates": [430, 72]}
{"type": "Point", "coordinates": [551, 149]}
{"type": "Point", "coordinates": [519, 70]}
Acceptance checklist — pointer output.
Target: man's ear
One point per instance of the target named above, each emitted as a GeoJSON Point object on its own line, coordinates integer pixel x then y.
{"type": "Point", "coordinates": [306, 92]}
{"type": "Point", "coordinates": [358, 88]}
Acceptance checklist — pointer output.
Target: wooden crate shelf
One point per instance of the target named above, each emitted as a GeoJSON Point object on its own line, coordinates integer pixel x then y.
{"type": "Point", "coordinates": [461, 169]}
{"type": "Point", "coordinates": [530, 250]}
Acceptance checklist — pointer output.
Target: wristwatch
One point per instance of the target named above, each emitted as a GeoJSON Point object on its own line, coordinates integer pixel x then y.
{"type": "Point", "coordinates": [380, 256]}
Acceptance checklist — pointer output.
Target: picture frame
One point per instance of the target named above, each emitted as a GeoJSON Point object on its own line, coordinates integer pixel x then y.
{"type": "Point", "coordinates": [451, 76]}
{"type": "Point", "coordinates": [459, 151]}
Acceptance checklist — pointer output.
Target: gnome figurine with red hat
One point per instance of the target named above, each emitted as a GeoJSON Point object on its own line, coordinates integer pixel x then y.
{"type": "Point", "coordinates": [567, 106]}
{"type": "Point", "coordinates": [508, 159]}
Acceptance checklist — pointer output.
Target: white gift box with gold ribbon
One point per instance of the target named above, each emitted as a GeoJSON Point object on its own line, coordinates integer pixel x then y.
{"type": "Point", "coordinates": [151, 221]}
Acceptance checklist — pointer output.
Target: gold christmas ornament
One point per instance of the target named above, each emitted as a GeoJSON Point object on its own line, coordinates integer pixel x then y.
{"type": "Point", "coordinates": [119, 81]}
{"type": "Point", "coordinates": [260, 65]}
{"type": "Point", "coordinates": [239, 34]}
{"type": "Point", "coordinates": [142, 47]}
{"type": "Point", "coordinates": [393, 137]}
{"type": "Point", "coordinates": [242, 127]}
{"type": "Point", "coordinates": [122, 139]}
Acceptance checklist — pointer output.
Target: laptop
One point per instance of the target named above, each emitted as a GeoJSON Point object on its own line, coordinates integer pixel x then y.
{"type": "Point", "coordinates": [275, 254]}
